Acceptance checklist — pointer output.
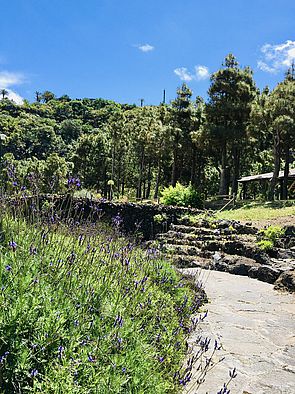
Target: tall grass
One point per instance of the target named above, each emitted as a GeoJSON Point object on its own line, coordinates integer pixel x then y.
{"type": "Point", "coordinates": [83, 310]}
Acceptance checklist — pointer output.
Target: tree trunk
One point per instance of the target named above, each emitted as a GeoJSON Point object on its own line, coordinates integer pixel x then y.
{"type": "Point", "coordinates": [236, 170]}
{"type": "Point", "coordinates": [139, 186]}
{"type": "Point", "coordinates": [286, 174]}
{"type": "Point", "coordinates": [277, 157]}
{"type": "Point", "coordinates": [193, 168]}
{"type": "Point", "coordinates": [174, 167]}
{"type": "Point", "coordinates": [223, 185]}
{"type": "Point", "coordinates": [105, 185]}
{"type": "Point", "coordinates": [158, 180]}
{"type": "Point", "coordinates": [149, 181]}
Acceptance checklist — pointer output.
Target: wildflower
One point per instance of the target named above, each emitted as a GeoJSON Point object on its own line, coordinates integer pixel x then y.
{"type": "Point", "coordinates": [60, 351]}
{"type": "Point", "coordinates": [91, 359]}
{"type": "Point", "coordinates": [3, 357]}
{"type": "Point", "coordinates": [119, 321]}
{"type": "Point", "coordinates": [8, 268]}
{"type": "Point", "coordinates": [34, 372]}
{"type": "Point", "coordinates": [123, 369]}
{"type": "Point", "coordinates": [33, 250]}
{"type": "Point", "coordinates": [13, 245]}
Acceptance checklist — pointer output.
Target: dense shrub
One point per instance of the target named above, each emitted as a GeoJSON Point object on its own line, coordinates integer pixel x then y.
{"type": "Point", "coordinates": [83, 311]}
{"type": "Point", "coordinates": [269, 237]}
{"type": "Point", "coordinates": [184, 196]}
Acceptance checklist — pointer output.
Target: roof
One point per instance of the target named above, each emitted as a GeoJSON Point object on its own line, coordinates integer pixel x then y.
{"type": "Point", "coordinates": [267, 175]}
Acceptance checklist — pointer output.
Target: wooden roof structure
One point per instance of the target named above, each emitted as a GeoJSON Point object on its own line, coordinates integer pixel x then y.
{"type": "Point", "coordinates": [266, 176]}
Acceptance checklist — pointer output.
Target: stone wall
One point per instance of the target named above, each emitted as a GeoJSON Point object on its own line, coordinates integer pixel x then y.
{"type": "Point", "coordinates": [131, 217]}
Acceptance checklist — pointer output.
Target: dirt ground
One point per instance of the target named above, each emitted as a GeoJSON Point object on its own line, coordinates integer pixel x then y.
{"type": "Point", "coordinates": [281, 221]}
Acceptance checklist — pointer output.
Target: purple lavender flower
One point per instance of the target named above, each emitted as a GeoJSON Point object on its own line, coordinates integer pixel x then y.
{"type": "Point", "coordinates": [3, 357]}
{"type": "Point", "coordinates": [60, 351]}
{"type": "Point", "coordinates": [91, 359]}
{"type": "Point", "coordinates": [13, 245]}
{"type": "Point", "coordinates": [34, 372]}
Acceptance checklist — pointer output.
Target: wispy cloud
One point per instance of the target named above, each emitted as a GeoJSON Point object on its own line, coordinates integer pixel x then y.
{"type": "Point", "coordinates": [10, 79]}
{"type": "Point", "coordinates": [200, 73]}
{"type": "Point", "coordinates": [15, 97]}
{"type": "Point", "coordinates": [145, 47]}
{"type": "Point", "coordinates": [277, 57]}
{"type": "Point", "coordinates": [183, 74]}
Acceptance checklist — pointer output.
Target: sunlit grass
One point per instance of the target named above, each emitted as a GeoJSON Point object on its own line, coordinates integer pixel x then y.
{"type": "Point", "coordinates": [259, 211]}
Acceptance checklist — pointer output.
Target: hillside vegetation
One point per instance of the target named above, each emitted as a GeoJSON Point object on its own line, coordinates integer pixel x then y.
{"type": "Point", "coordinates": [84, 310]}
{"type": "Point", "coordinates": [125, 151]}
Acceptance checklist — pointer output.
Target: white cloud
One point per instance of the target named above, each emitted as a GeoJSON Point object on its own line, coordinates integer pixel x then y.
{"type": "Point", "coordinates": [277, 57]}
{"type": "Point", "coordinates": [145, 47]}
{"type": "Point", "coordinates": [201, 73]}
{"type": "Point", "coordinates": [183, 74]}
{"type": "Point", "coordinates": [8, 79]}
{"type": "Point", "coordinates": [15, 97]}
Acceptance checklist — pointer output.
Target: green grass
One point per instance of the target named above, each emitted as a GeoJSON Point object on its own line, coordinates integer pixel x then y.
{"type": "Point", "coordinates": [259, 211]}
{"type": "Point", "coordinates": [86, 312]}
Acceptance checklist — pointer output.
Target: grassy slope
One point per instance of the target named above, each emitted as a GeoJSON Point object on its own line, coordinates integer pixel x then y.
{"type": "Point", "coordinates": [88, 314]}
{"type": "Point", "coordinates": [256, 211]}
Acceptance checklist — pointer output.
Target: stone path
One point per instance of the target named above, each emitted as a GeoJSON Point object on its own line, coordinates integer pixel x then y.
{"type": "Point", "coordinates": [256, 326]}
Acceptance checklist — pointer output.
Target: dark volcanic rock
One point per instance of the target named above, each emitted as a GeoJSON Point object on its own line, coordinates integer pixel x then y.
{"type": "Point", "coordinates": [265, 273]}
{"type": "Point", "coordinates": [286, 281]}
{"type": "Point", "coordinates": [233, 264]}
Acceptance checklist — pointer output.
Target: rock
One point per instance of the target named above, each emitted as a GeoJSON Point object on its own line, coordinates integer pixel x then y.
{"type": "Point", "coordinates": [286, 281]}
{"type": "Point", "coordinates": [265, 273]}
{"type": "Point", "coordinates": [233, 264]}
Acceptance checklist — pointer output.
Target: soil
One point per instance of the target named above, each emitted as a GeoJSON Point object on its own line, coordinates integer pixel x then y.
{"type": "Point", "coordinates": [280, 221]}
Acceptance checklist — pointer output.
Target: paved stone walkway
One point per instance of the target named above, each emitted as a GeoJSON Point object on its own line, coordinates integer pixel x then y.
{"type": "Point", "coordinates": [256, 326]}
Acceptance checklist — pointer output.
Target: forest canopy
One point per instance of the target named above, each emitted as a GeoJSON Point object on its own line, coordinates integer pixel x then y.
{"type": "Point", "coordinates": [124, 150]}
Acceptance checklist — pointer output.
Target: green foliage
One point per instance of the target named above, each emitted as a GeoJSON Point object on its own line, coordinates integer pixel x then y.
{"type": "Point", "coordinates": [185, 196]}
{"type": "Point", "coordinates": [269, 236]}
{"type": "Point", "coordinates": [209, 144]}
{"type": "Point", "coordinates": [82, 312]}
{"type": "Point", "coordinates": [160, 218]}
{"type": "Point", "coordinates": [272, 233]}
{"type": "Point", "coordinates": [265, 244]}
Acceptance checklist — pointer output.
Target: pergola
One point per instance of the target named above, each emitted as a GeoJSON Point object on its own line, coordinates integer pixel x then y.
{"type": "Point", "coordinates": [265, 178]}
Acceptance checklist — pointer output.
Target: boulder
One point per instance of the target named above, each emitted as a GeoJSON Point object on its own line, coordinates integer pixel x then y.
{"type": "Point", "coordinates": [233, 264]}
{"type": "Point", "coordinates": [286, 281]}
{"type": "Point", "coordinates": [265, 273]}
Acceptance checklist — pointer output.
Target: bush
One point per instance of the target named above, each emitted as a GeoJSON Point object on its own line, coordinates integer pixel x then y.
{"type": "Point", "coordinates": [269, 236]}
{"type": "Point", "coordinates": [85, 311]}
{"type": "Point", "coordinates": [183, 196]}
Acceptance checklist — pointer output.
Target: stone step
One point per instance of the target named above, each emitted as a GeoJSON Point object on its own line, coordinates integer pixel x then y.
{"type": "Point", "coordinates": [191, 237]}
{"type": "Point", "coordinates": [181, 228]}
{"type": "Point", "coordinates": [226, 226]}
{"type": "Point", "coordinates": [183, 261]}
{"type": "Point", "coordinates": [185, 250]}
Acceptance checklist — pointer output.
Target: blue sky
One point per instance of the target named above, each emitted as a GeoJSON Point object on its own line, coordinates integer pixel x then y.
{"type": "Point", "coordinates": [127, 50]}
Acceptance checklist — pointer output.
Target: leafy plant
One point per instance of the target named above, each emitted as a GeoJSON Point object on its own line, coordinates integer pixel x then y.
{"type": "Point", "coordinates": [185, 196]}
{"type": "Point", "coordinates": [269, 236]}
{"type": "Point", "coordinates": [265, 245]}
{"type": "Point", "coordinates": [83, 310]}
{"type": "Point", "coordinates": [160, 218]}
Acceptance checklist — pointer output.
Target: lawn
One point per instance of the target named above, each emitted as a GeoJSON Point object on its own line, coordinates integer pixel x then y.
{"type": "Point", "coordinates": [259, 211]}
